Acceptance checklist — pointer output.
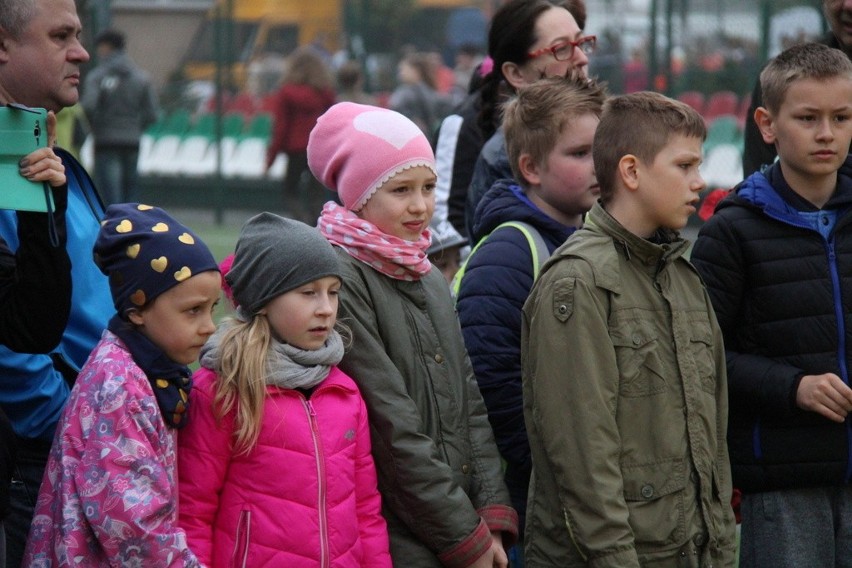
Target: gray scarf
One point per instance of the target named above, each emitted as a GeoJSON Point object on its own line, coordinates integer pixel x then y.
{"type": "Point", "coordinates": [287, 366]}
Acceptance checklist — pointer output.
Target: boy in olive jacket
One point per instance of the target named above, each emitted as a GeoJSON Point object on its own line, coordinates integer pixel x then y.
{"type": "Point", "coordinates": [625, 397]}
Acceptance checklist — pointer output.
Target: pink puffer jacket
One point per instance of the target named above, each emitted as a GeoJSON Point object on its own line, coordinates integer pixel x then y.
{"type": "Point", "coordinates": [304, 496]}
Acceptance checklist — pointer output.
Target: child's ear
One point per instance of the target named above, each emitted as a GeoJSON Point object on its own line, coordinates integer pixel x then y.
{"type": "Point", "coordinates": [628, 170]}
{"type": "Point", "coordinates": [529, 169]}
{"type": "Point", "coordinates": [135, 317]}
{"type": "Point", "coordinates": [765, 123]}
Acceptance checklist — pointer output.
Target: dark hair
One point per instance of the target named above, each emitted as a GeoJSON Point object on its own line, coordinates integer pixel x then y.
{"type": "Point", "coordinates": [469, 49]}
{"type": "Point", "coordinates": [577, 9]}
{"type": "Point", "coordinates": [112, 38]}
{"type": "Point", "coordinates": [510, 37]}
{"type": "Point", "coordinates": [348, 76]}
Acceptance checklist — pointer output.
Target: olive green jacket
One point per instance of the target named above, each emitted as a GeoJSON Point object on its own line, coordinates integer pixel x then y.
{"type": "Point", "coordinates": [625, 402]}
{"type": "Point", "coordinates": [438, 468]}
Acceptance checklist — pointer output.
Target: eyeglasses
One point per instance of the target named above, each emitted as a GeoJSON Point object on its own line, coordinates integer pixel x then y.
{"type": "Point", "coordinates": [563, 51]}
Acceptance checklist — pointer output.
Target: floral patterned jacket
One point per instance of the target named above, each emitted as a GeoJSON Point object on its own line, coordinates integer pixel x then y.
{"type": "Point", "coordinates": [109, 493]}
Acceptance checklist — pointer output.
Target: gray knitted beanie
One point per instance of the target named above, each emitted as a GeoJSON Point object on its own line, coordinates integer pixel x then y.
{"type": "Point", "coordinates": [275, 255]}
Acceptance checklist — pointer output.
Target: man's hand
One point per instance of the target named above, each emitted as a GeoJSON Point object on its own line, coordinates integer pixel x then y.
{"type": "Point", "coordinates": [43, 164]}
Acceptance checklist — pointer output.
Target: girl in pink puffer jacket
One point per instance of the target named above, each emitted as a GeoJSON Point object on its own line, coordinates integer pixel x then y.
{"type": "Point", "coordinates": [275, 466]}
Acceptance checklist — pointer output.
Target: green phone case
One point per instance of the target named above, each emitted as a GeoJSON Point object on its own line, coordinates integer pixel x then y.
{"type": "Point", "coordinates": [22, 130]}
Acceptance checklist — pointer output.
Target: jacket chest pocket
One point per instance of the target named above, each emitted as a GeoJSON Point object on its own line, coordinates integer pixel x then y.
{"type": "Point", "coordinates": [701, 349]}
{"type": "Point", "coordinates": [637, 352]}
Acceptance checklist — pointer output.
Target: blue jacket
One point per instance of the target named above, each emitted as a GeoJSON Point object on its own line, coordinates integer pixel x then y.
{"type": "Point", "coordinates": [32, 389]}
{"type": "Point", "coordinates": [779, 274]}
{"type": "Point", "coordinates": [495, 285]}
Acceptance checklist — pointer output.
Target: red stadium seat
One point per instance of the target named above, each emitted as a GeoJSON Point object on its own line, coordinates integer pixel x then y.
{"type": "Point", "coordinates": [695, 99]}
{"type": "Point", "coordinates": [721, 102]}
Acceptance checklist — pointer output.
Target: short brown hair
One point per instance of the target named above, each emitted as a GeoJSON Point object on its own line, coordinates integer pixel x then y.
{"type": "Point", "coordinates": [534, 119]}
{"type": "Point", "coordinates": [306, 67]}
{"type": "Point", "coordinates": [802, 61]}
{"type": "Point", "coordinates": [640, 124]}
{"type": "Point", "coordinates": [16, 15]}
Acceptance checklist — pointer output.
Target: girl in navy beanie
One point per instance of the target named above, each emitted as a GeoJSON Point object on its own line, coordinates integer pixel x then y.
{"type": "Point", "coordinates": [109, 494]}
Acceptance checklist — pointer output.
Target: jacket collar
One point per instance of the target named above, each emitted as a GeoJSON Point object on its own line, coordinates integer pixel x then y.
{"type": "Point", "coordinates": [653, 254]}
{"type": "Point", "coordinates": [506, 201]}
{"type": "Point", "coordinates": [769, 192]}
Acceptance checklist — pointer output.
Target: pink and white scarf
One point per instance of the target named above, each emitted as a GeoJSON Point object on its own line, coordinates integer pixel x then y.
{"type": "Point", "coordinates": [390, 255]}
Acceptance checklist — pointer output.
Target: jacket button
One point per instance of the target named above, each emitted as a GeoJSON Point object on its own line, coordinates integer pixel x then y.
{"type": "Point", "coordinates": [563, 309]}
{"type": "Point", "coordinates": [439, 358]}
{"type": "Point", "coordinates": [647, 491]}
{"type": "Point", "coordinates": [637, 339]}
{"type": "Point", "coordinates": [465, 469]}
{"type": "Point", "coordinates": [699, 539]}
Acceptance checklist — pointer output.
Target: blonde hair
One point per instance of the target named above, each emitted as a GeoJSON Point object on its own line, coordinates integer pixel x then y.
{"type": "Point", "coordinates": [640, 124]}
{"type": "Point", "coordinates": [540, 113]}
{"type": "Point", "coordinates": [241, 383]}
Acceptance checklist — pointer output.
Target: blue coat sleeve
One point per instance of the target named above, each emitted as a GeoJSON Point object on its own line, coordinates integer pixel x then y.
{"type": "Point", "coordinates": [496, 283]}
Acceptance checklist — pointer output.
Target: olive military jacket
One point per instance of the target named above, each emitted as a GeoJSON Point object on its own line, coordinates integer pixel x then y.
{"type": "Point", "coordinates": [625, 401]}
{"type": "Point", "coordinates": [438, 468]}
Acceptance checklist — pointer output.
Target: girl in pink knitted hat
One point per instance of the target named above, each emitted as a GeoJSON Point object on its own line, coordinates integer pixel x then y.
{"type": "Point", "coordinates": [438, 468]}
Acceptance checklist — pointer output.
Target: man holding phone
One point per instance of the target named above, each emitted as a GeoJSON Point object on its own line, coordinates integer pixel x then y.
{"type": "Point", "coordinates": [47, 304]}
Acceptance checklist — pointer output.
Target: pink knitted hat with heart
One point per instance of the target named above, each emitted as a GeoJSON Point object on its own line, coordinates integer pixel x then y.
{"type": "Point", "coordinates": [354, 149]}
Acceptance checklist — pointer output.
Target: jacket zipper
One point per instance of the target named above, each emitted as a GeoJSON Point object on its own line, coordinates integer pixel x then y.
{"type": "Point", "coordinates": [323, 521]}
{"type": "Point", "coordinates": [241, 540]}
{"type": "Point", "coordinates": [841, 344]}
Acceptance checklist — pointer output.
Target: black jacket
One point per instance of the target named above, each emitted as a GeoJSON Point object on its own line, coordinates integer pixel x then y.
{"type": "Point", "coordinates": [779, 273]}
{"type": "Point", "coordinates": [35, 282]}
{"type": "Point", "coordinates": [35, 299]}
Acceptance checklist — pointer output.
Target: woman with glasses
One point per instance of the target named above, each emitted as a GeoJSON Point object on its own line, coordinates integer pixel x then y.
{"type": "Point", "coordinates": [518, 28]}
{"type": "Point", "coordinates": [554, 45]}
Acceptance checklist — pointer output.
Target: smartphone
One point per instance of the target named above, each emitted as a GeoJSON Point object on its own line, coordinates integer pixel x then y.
{"type": "Point", "coordinates": [22, 130]}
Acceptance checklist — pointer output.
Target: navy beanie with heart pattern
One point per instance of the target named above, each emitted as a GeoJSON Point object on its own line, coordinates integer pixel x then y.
{"type": "Point", "coordinates": [144, 251]}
